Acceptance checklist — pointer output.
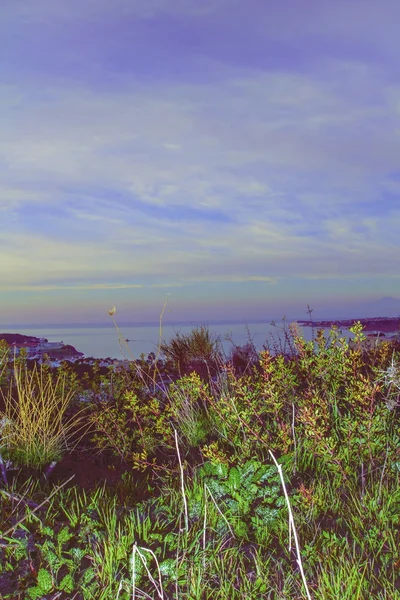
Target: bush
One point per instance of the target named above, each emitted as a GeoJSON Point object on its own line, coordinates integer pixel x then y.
{"type": "Point", "coordinates": [196, 351]}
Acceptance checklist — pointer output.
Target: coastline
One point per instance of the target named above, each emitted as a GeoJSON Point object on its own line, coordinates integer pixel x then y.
{"type": "Point", "coordinates": [379, 325]}
{"type": "Point", "coordinates": [36, 347]}
{"type": "Point", "coordinates": [57, 351]}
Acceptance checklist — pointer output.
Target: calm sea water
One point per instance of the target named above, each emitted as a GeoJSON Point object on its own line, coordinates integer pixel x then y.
{"type": "Point", "coordinates": [102, 342]}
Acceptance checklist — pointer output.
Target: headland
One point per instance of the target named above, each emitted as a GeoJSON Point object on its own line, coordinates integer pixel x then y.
{"type": "Point", "coordinates": [372, 324]}
{"type": "Point", "coordinates": [37, 347]}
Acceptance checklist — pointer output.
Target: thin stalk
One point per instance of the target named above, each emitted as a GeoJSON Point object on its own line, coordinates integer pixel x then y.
{"type": "Point", "coordinates": [159, 590]}
{"type": "Point", "coordinates": [182, 483]}
{"type": "Point", "coordinates": [219, 510]}
{"type": "Point", "coordinates": [35, 509]}
{"type": "Point", "coordinates": [204, 527]}
{"type": "Point", "coordinates": [3, 471]}
{"type": "Point", "coordinates": [382, 474]}
{"type": "Point", "coordinates": [292, 526]}
{"type": "Point", "coordinates": [294, 439]}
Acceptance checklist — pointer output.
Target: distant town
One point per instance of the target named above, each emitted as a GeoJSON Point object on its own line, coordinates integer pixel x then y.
{"type": "Point", "coordinates": [36, 348]}
{"type": "Point", "coordinates": [378, 325]}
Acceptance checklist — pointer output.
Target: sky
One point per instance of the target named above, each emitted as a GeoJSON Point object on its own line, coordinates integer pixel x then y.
{"type": "Point", "coordinates": [237, 158]}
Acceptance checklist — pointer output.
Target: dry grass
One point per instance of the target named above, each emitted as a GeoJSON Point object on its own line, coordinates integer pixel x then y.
{"type": "Point", "coordinates": [35, 432]}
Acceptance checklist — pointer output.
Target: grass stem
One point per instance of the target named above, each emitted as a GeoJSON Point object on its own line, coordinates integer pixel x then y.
{"type": "Point", "coordinates": [292, 525]}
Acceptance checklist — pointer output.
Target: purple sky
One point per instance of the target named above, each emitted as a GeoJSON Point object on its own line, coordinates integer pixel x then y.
{"type": "Point", "coordinates": [242, 156]}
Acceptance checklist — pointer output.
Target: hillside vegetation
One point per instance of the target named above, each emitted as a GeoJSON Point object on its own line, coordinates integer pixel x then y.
{"type": "Point", "coordinates": [271, 475]}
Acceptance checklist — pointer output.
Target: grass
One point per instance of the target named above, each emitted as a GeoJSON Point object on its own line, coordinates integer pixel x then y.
{"type": "Point", "coordinates": [275, 478]}
{"type": "Point", "coordinates": [34, 431]}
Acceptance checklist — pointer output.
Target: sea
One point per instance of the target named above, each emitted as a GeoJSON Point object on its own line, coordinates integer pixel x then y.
{"type": "Point", "coordinates": [129, 341]}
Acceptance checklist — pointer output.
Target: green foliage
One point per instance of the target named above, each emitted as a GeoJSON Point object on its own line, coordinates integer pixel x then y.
{"type": "Point", "coordinates": [133, 427]}
{"type": "Point", "coordinates": [43, 587]}
{"type": "Point", "coordinates": [341, 417]}
{"type": "Point", "coordinates": [329, 411]}
{"type": "Point", "coordinates": [188, 398]}
{"type": "Point", "coordinates": [249, 494]}
{"type": "Point", "coordinates": [255, 414]}
{"type": "Point", "coordinates": [61, 559]}
{"type": "Point", "coordinates": [323, 407]}
{"type": "Point", "coordinates": [4, 358]}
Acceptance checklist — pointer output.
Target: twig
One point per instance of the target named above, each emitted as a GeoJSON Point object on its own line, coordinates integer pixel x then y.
{"type": "Point", "coordinates": [15, 497]}
{"type": "Point", "coordinates": [34, 510]}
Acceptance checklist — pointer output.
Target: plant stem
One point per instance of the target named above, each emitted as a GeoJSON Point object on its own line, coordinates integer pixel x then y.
{"type": "Point", "coordinates": [291, 523]}
{"type": "Point", "coordinates": [182, 483]}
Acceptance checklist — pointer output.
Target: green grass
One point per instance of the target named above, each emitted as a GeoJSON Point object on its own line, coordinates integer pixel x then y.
{"type": "Point", "coordinates": [279, 481]}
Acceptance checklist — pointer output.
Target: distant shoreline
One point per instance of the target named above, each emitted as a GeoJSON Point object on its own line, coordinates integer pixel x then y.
{"type": "Point", "coordinates": [36, 347]}
{"type": "Point", "coordinates": [193, 323]}
{"type": "Point", "coordinates": [325, 323]}
{"type": "Point", "coordinates": [382, 324]}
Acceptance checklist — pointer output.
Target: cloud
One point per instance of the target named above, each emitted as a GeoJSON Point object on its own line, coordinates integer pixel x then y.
{"type": "Point", "coordinates": [101, 161]}
{"type": "Point", "coordinates": [140, 156]}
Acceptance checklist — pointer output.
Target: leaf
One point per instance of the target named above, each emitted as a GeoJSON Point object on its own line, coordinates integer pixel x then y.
{"type": "Point", "coordinates": [168, 568]}
{"type": "Point", "coordinates": [260, 585]}
{"type": "Point", "coordinates": [64, 535]}
{"type": "Point", "coordinates": [67, 583]}
{"type": "Point", "coordinates": [77, 554]}
{"type": "Point", "coordinates": [35, 592]}
{"type": "Point", "coordinates": [248, 470]}
{"type": "Point", "coordinates": [217, 488]}
{"type": "Point", "coordinates": [240, 529]}
{"type": "Point", "coordinates": [254, 491]}
{"type": "Point", "coordinates": [45, 580]}
{"type": "Point", "coordinates": [234, 479]}
{"type": "Point", "coordinates": [50, 556]}
{"type": "Point", "coordinates": [88, 575]}
{"type": "Point", "coordinates": [221, 470]}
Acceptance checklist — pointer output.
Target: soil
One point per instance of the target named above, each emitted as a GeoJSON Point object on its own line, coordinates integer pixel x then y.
{"type": "Point", "coordinates": [89, 472]}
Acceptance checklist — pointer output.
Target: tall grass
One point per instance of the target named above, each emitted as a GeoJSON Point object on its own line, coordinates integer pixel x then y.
{"type": "Point", "coordinates": [35, 431]}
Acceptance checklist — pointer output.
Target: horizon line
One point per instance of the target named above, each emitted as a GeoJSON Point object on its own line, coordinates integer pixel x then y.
{"type": "Point", "coordinates": [195, 323]}
{"type": "Point", "coordinates": [198, 322]}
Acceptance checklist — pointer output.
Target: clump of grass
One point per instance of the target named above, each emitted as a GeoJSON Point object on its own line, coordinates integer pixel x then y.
{"type": "Point", "coordinates": [196, 351]}
{"type": "Point", "coordinates": [35, 432]}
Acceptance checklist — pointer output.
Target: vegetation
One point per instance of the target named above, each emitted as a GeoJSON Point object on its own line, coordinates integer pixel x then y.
{"type": "Point", "coordinates": [275, 478]}
{"type": "Point", "coordinates": [34, 430]}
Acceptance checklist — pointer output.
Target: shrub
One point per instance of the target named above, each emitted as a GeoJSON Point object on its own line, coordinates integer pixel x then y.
{"type": "Point", "coordinates": [196, 351]}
